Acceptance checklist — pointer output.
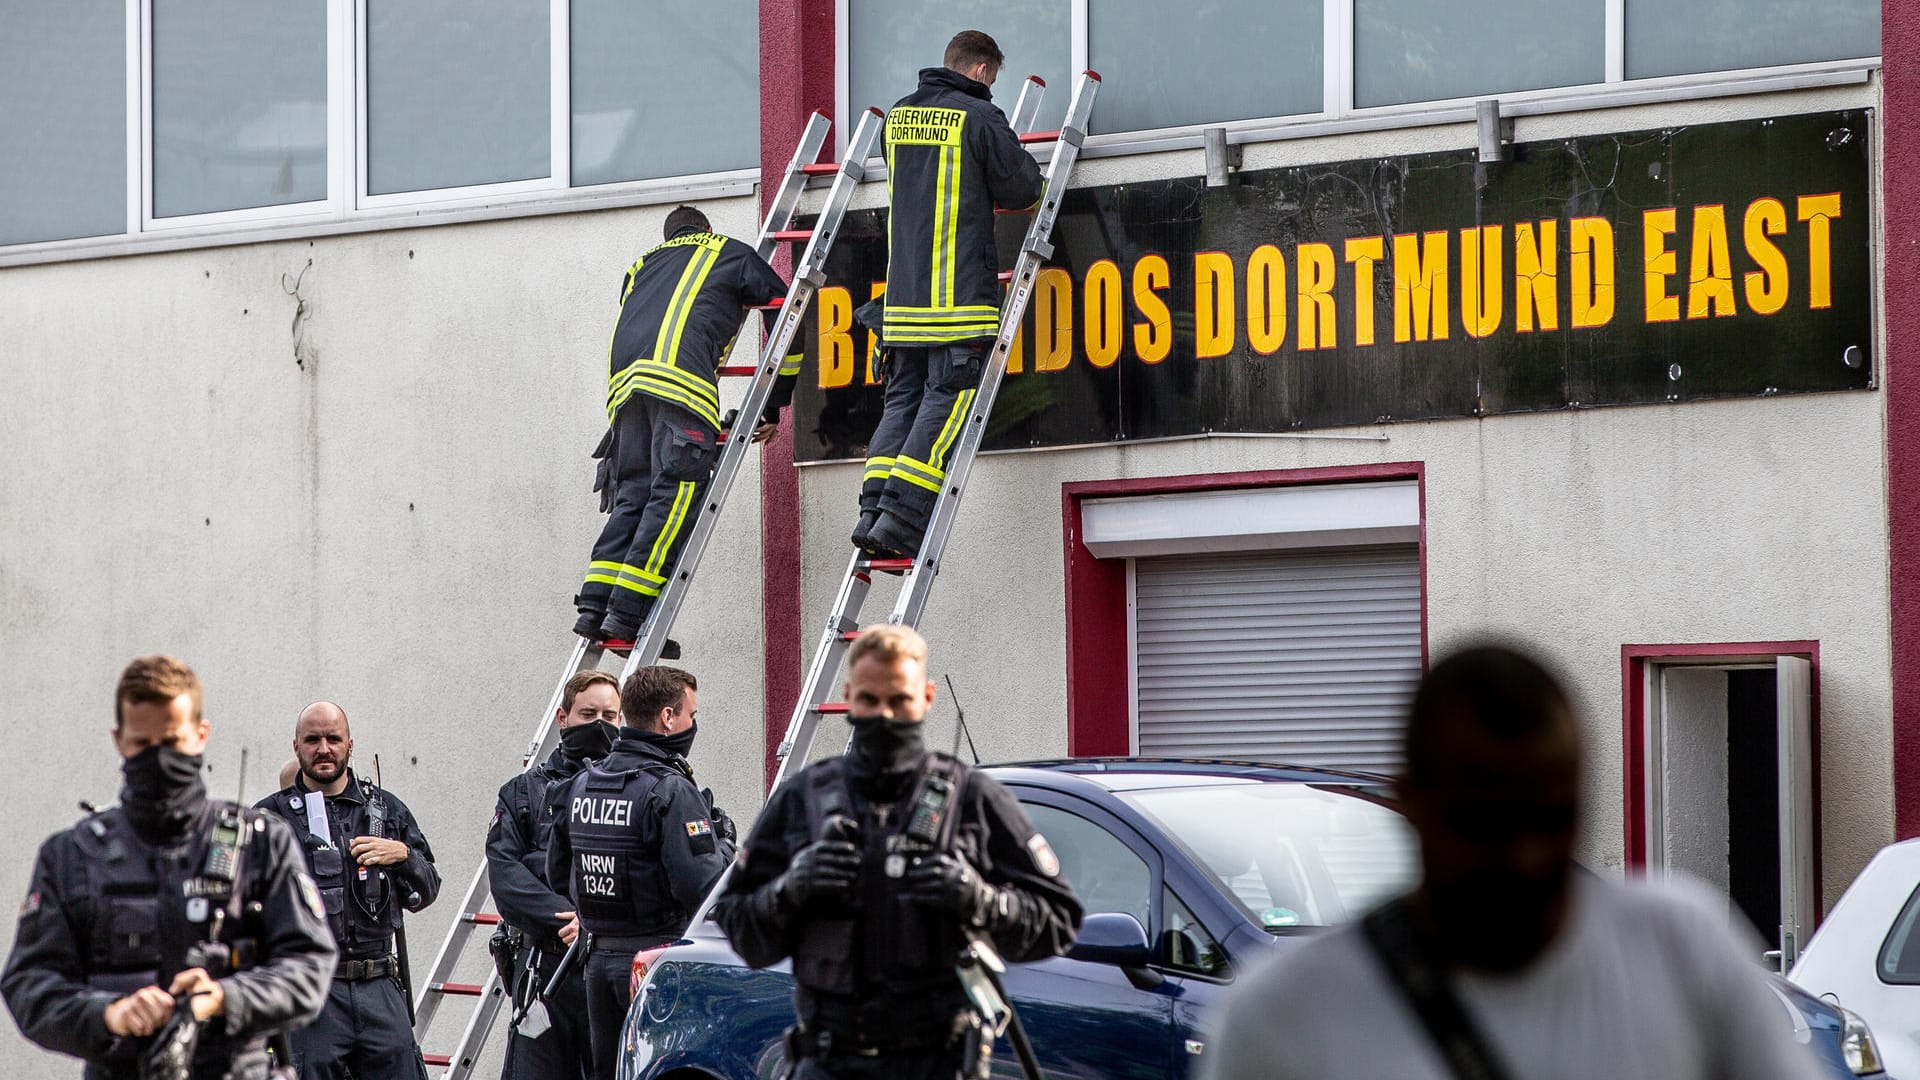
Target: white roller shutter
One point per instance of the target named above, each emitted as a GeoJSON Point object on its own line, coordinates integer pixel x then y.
{"type": "Point", "coordinates": [1303, 657]}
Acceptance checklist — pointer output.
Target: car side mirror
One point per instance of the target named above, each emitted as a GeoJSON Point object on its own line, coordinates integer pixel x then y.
{"type": "Point", "coordinates": [1111, 937]}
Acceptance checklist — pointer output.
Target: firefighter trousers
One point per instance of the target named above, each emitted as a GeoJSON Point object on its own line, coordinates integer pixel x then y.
{"type": "Point", "coordinates": [663, 458]}
{"type": "Point", "coordinates": [928, 393]}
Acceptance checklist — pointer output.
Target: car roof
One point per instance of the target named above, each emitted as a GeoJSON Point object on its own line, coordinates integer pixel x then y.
{"type": "Point", "coordinates": [1140, 773]}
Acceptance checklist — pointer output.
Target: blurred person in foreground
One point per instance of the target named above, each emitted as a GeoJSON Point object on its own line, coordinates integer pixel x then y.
{"type": "Point", "coordinates": [1506, 961]}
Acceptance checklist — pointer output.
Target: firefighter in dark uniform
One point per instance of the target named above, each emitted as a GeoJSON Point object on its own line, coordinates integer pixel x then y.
{"type": "Point", "coordinates": [533, 911]}
{"type": "Point", "coordinates": [372, 865]}
{"type": "Point", "coordinates": [873, 870]}
{"type": "Point", "coordinates": [638, 845]}
{"type": "Point", "coordinates": [680, 308]}
{"type": "Point", "coordinates": [951, 159]}
{"type": "Point", "coordinates": [170, 918]}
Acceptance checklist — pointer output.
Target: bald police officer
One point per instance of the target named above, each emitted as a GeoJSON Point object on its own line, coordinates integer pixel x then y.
{"type": "Point", "coordinates": [170, 916]}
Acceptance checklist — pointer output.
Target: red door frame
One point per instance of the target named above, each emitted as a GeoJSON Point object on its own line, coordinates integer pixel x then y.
{"type": "Point", "coordinates": [1900, 203]}
{"type": "Point", "coordinates": [1099, 716]}
{"type": "Point", "coordinates": [1633, 728]}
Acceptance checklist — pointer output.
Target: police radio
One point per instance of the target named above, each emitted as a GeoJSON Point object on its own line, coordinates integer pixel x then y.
{"type": "Point", "coordinates": [930, 810]}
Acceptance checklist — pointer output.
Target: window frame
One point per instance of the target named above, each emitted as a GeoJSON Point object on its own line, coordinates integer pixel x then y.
{"type": "Point", "coordinates": [1905, 913]}
{"type": "Point", "coordinates": [1338, 115]}
{"type": "Point", "coordinates": [349, 208]}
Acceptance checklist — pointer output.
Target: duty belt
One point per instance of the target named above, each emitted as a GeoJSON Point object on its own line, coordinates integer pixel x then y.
{"type": "Point", "coordinates": [361, 970]}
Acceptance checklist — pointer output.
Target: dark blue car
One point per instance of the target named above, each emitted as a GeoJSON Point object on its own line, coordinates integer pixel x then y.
{"type": "Point", "coordinates": [1190, 872]}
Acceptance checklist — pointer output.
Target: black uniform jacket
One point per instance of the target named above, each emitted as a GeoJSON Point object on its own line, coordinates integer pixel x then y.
{"type": "Point", "coordinates": [993, 832]}
{"type": "Point", "coordinates": [680, 307]}
{"type": "Point", "coordinates": [45, 981]}
{"type": "Point", "coordinates": [951, 158]}
{"type": "Point", "coordinates": [689, 857]}
{"type": "Point", "coordinates": [517, 852]}
{"type": "Point", "coordinates": [416, 880]}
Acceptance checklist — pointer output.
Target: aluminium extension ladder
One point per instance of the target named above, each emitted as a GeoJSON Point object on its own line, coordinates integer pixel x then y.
{"type": "Point", "coordinates": [489, 996]}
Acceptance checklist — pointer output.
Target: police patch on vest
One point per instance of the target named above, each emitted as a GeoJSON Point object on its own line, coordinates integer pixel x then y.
{"type": "Point", "coordinates": [700, 836]}
{"type": "Point", "coordinates": [31, 905]}
{"type": "Point", "coordinates": [310, 893]}
{"type": "Point", "coordinates": [1043, 857]}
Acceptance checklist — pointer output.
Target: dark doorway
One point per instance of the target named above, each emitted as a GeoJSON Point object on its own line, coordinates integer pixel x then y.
{"type": "Point", "coordinates": [1753, 798]}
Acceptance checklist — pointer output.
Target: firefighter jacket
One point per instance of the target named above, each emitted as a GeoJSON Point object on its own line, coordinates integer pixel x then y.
{"type": "Point", "coordinates": [364, 904]}
{"type": "Point", "coordinates": [951, 158]}
{"type": "Point", "coordinates": [109, 912]}
{"type": "Point", "coordinates": [680, 308]}
{"type": "Point", "coordinates": [636, 844]}
{"type": "Point", "coordinates": [885, 966]}
{"type": "Point", "coordinates": [517, 843]}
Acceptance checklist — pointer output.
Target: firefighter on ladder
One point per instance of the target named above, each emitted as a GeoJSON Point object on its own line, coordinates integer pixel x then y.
{"type": "Point", "coordinates": [680, 307]}
{"type": "Point", "coordinates": [951, 159]}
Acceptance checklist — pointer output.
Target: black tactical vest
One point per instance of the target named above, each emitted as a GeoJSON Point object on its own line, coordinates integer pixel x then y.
{"type": "Point", "coordinates": [153, 908]}
{"type": "Point", "coordinates": [618, 883]}
{"type": "Point", "coordinates": [886, 937]}
{"type": "Point", "coordinates": [361, 901]}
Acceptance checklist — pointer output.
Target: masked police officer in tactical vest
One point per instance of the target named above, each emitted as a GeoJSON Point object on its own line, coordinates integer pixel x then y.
{"type": "Point", "coordinates": [638, 845]}
{"type": "Point", "coordinates": [531, 950]}
{"type": "Point", "coordinates": [372, 864]}
{"type": "Point", "coordinates": [874, 870]}
{"type": "Point", "coordinates": [173, 935]}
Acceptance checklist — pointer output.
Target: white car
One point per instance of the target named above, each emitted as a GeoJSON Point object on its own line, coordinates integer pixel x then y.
{"type": "Point", "coordinates": [1866, 956]}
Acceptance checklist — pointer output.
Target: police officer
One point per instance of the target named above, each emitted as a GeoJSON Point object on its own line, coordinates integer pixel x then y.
{"type": "Point", "coordinates": [873, 870]}
{"type": "Point", "coordinates": [638, 845]}
{"type": "Point", "coordinates": [942, 305]}
{"type": "Point", "coordinates": [372, 864]}
{"type": "Point", "coordinates": [681, 306]}
{"type": "Point", "coordinates": [533, 911]}
{"type": "Point", "coordinates": [167, 903]}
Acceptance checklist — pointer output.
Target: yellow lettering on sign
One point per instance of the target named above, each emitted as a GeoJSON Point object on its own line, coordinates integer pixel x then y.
{"type": "Point", "coordinates": [1482, 282]}
{"type": "Point", "coordinates": [1420, 287]}
{"type": "Point", "coordinates": [1052, 319]}
{"type": "Point", "coordinates": [1363, 252]}
{"type": "Point", "coordinates": [877, 289]}
{"type": "Point", "coordinates": [1535, 288]}
{"type": "Point", "coordinates": [1103, 313]}
{"type": "Point", "coordinates": [919, 125]}
{"type": "Point", "coordinates": [1590, 241]}
{"type": "Point", "coordinates": [1266, 300]}
{"type": "Point", "coordinates": [1767, 286]}
{"type": "Point", "coordinates": [832, 344]}
{"type": "Point", "coordinates": [1709, 267]}
{"type": "Point", "coordinates": [1213, 314]}
{"type": "Point", "coordinates": [1313, 264]}
{"type": "Point", "coordinates": [1660, 264]}
{"type": "Point", "coordinates": [1153, 335]}
{"type": "Point", "coordinates": [1818, 211]}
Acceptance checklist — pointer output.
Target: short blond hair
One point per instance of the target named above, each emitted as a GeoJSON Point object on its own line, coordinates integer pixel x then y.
{"type": "Point", "coordinates": [887, 644]}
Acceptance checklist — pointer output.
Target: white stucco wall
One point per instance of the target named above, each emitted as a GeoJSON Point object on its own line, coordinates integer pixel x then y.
{"type": "Point", "coordinates": [397, 523]}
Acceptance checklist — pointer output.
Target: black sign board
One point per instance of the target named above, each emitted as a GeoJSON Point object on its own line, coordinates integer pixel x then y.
{"type": "Point", "coordinates": [1723, 260]}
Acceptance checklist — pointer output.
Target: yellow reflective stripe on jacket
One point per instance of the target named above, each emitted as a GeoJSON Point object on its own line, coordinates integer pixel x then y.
{"type": "Point", "coordinates": [668, 384]}
{"type": "Point", "coordinates": [790, 364]}
{"type": "Point", "coordinates": [941, 335]}
{"type": "Point", "coordinates": [666, 345]}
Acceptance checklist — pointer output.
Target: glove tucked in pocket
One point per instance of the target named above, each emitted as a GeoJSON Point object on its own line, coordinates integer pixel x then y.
{"type": "Point", "coordinates": [603, 469]}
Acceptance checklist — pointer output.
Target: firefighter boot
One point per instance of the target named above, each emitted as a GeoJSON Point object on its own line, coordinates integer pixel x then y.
{"type": "Point", "coordinates": [613, 629]}
{"type": "Point", "coordinates": [893, 538]}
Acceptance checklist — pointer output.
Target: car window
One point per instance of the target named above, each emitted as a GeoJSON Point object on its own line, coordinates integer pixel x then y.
{"type": "Point", "coordinates": [1900, 955]}
{"type": "Point", "coordinates": [1292, 855]}
{"type": "Point", "coordinates": [1185, 944]}
{"type": "Point", "coordinates": [1104, 872]}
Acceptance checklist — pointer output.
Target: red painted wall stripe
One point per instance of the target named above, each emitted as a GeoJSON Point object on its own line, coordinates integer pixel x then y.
{"type": "Point", "coordinates": [1900, 227]}
{"type": "Point", "coordinates": [796, 77]}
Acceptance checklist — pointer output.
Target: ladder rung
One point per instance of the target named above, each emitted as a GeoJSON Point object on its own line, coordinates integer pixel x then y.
{"type": "Point", "coordinates": [794, 235]}
{"type": "Point", "coordinates": [616, 645]}
{"type": "Point", "coordinates": [890, 566]}
{"type": "Point", "coordinates": [849, 635]}
{"type": "Point", "coordinates": [484, 918]}
{"type": "Point", "coordinates": [1010, 213]}
{"type": "Point", "coordinates": [736, 369]}
{"type": "Point", "coordinates": [456, 989]}
{"type": "Point", "coordinates": [831, 708]}
{"type": "Point", "coordinates": [1040, 136]}
{"type": "Point", "coordinates": [437, 1059]}
{"type": "Point", "coordinates": [1006, 275]}
{"type": "Point", "coordinates": [774, 304]}
{"type": "Point", "coordinates": [824, 168]}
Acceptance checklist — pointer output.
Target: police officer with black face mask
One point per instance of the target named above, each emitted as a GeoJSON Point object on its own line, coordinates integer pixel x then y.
{"type": "Point", "coordinates": [172, 935]}
{"type": "Point", "coordinates": [637, 844]}
{"type": "Point", "coordinates": [874, 870]}
{"type": "Point", "coordinates": [539, 924]}
{"type": "Point", "coordinates": [372, 865]}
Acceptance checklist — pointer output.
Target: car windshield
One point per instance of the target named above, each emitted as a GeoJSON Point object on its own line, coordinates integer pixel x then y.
{"type": "Point", "coordinates": [1293, 856]}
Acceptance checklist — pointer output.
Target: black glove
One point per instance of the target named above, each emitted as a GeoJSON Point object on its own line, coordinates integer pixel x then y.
{"type": "Point", "coordinates": [823, 872]}
{"type": "Point", "coordinates": [170, 1055]}
{"type": "Point", "coordinates": [723, 825]}
{"type": "Point", "coordinates": [950, 884]}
